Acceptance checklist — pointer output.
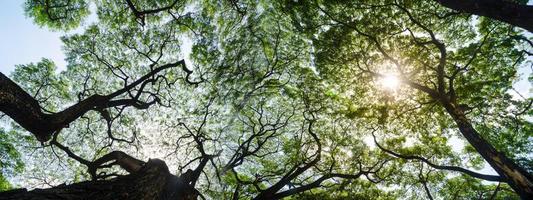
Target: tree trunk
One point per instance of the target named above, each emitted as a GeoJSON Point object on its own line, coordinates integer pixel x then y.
{"type": "Point", "coordinates": [24, 109]}
{"type": "Point", "coordinates": [518, 178]}
{"type": "Point", "coordinates": [152, 181]}
{"type": "Point", "coordinates": [502, 10]}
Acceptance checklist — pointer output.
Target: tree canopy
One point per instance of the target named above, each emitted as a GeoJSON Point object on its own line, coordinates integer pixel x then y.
{"type": "Point", "coordinates": [325, 99]}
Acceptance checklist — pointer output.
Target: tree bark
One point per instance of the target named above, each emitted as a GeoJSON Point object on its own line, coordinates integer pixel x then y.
{"type": "Point", "coordinates": [152, 181]}
{"type": "Point", "coordinates": [502, 10]}
{"type": "Point", "coordinates": [514, 175]}
{"type": "Point", "coordinates": [26, 111]}
{"type": "Point", "coordinates": [518, 178]}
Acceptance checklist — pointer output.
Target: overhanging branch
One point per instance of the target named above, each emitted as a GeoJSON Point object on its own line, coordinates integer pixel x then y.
{"type": "Point", "coordinates": [441, 167]}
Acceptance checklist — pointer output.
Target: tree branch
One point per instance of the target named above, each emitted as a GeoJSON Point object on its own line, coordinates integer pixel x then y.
{"type": "Point", "coordinates": [27, 112]}
{"type": "Point", "coordinates": [502, 10]}
{"type": "Point", "coordinates": [441, 167]}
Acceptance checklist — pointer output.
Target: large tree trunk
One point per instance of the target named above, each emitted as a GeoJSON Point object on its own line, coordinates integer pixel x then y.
{"type": "Point", "coordinates": [518, 178]}
{"type": "Point", "coordinates": [152, 181]}
{"type": "Point", "coordinates": [24, 109]}
{"type": "Point", "coordinates": [502, 10]}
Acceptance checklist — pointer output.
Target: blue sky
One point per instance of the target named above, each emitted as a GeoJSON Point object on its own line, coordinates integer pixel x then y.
{"type": "Point", "coordinates": [23, 42]}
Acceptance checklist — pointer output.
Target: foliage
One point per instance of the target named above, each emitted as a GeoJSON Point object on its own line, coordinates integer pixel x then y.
{"type": "Point", "coordinates": [63, 14]}
{"type": "Point", "coordinates": [10, 159]}
{"type": "Point", "coordinates": [284, 93]}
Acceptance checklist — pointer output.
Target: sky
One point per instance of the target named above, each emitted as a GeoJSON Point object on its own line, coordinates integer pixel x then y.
{"type": "Point", "coordinates": [22, 42]}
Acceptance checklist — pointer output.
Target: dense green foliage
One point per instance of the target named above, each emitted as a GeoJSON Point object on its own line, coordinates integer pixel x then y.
{"type": "Point", "coordinates": [10, 162]}
{"type": "Point", "coordinates": [282, 85]}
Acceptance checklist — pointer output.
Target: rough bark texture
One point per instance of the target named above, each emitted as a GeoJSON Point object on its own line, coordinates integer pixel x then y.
{"type": "Point", "coordinates": [502, 10]}
{"type": "Point", "coordinates": [24, 109]}
{"type": "Point", "coordinates": [518, 178]}
{"type": "Point", "coordinates": [152, 181]}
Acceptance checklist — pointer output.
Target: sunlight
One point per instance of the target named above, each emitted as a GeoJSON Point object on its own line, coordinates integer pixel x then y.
{"type": "Point", "coordinates": [389, 82]}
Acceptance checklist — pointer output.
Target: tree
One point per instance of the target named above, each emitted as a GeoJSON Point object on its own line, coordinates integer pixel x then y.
{"type": "Point", "coordinates": [139, 88]}
{"type": "Point", "coordinates": [435, 77]}
{"type": "Point", "coordinates": [514, 13]}
{"type": "Point", "coordinates": [269, 100]}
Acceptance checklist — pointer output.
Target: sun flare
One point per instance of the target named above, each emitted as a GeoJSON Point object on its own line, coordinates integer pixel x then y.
{"type": "Point", "coordinates": [390, 82]}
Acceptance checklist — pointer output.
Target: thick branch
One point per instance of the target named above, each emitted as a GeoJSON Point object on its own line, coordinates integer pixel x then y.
{"type": "Point", "coordinates": [151, 181]}
{"type": "Point", "coordinates": [502, 10]}
{"type": "Point", "coordinates": [26, 111]}
{"type": "Point", "coordinates": [441, 167]}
